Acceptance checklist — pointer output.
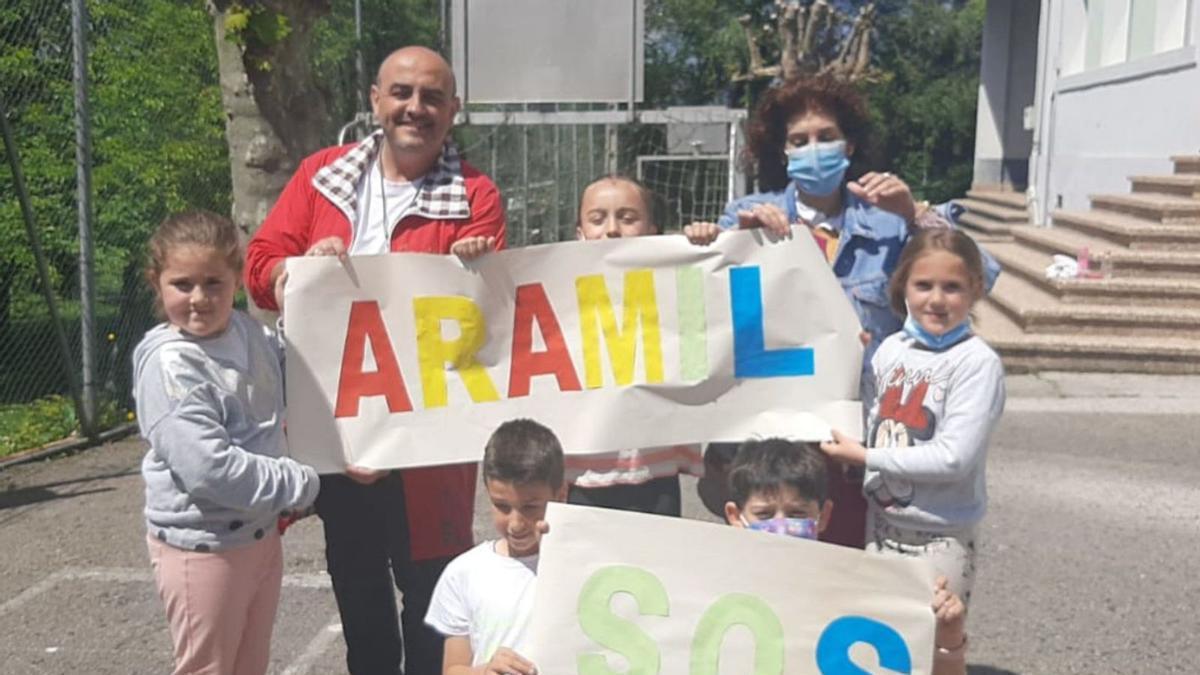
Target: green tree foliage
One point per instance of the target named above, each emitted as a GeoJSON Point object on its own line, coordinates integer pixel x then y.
{"type": "Point", "coordinates": [35, 89]}
{"type": "Point", "coordinates": [924, 107]}
{"type": "Point", "coordinates": [158, 146]}
{"type": "Point", "coordinates": [387, 26]}
{"type": "Point", "coordinates": [156, 129]}
{"type": "Point", "coordinates": [923, 94]}
{"type": "Point", "coordinates": [693, 49]}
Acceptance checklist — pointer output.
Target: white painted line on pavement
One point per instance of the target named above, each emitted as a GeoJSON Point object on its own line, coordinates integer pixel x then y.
{"type": "Point", "coordinates": [32, 592]}
{"type": "Point", "coordinates": [134, 575]}
{"type": "Point", "coordinates": [120, 575]}
{"type": "Point", "coordinates": [1115, 405]}
{"type": "Point", "coordinates": [317, 580]}
{"type": "Point", "coordinates": [316, 647]}
{"type": "Point", "coordinates": [130, 575]}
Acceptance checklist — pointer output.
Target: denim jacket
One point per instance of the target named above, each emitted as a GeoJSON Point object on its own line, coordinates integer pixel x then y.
{"type": "Point", "coordinates": [868, 249]}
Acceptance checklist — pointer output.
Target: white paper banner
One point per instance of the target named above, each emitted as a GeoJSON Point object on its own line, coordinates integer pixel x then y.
{"type": "Point", "coordinates": [622, 592]}
{"type": "Point", "coordinates": [409, 359]}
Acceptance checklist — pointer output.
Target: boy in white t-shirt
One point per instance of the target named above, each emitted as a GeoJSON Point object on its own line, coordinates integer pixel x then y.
{"type": "Point", "coordinates": [482, 602]}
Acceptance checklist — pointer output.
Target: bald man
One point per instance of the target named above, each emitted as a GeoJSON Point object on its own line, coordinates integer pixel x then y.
{"type": "Point", "coordinates": [404, 188]}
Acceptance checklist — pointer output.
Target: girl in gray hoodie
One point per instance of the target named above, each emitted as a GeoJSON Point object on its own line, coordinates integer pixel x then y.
{"type": "Point", "coordinates": [209, 389]}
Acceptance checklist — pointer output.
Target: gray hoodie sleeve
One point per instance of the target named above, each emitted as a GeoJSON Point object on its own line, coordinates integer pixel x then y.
{"type": "Point", "coordinates": [182, 417]}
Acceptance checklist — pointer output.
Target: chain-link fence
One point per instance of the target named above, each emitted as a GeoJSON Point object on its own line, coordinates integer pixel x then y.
{"type": "Point", "coordinates": [153, 103]}
{"type": "Point", "coordinates": [542, 160]}
{"type": "Point", "coordinates": [158, 146]}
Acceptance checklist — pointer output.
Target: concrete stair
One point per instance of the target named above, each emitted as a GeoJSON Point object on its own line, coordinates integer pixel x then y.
{"type": "Point", "coordinates": [1187, 185]}
{"type": "Point", "coordinates": [1030, 265]}
{"type": "Point", "coordinates": [1138, 310]}
{"type": "Point", "coordinates": [1037, 311]}
{"type": "Point", "coordinates": [1130, 232]}
{"type": "Point", "coordinates": [993, 213]}
{"type": "Point", "coordinates": [1165, 209]}
{"type": "Point", "coordinates": [1108, 257]}
{"type": "Point", "coordinates": [1024, 353]}
{"type": "Point", "coordinates": [1186, 164]}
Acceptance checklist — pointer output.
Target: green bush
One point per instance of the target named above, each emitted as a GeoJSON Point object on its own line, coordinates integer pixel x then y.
{"type": "Point", "coordinates": [46, 420]}
{"type": "Point", "coordinates": [30, 425]}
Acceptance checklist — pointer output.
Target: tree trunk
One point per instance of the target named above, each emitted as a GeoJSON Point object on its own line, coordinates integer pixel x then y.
{"type": "Point", "coordinates": [813, 39]}
{"type": "Point", "coordinates": [259, 164]}
{"type": "Point", "coordinates": [275, 112]}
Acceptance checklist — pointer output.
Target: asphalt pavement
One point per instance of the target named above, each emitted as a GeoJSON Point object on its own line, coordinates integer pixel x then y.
{"type": "Point", "coordinates": [1087, 563]}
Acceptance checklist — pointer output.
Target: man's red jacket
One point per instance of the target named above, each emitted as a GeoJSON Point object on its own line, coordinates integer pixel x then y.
{"type": "Point", "coordinates": [455, 201]}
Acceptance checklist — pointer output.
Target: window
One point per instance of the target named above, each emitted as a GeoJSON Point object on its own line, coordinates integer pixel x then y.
{"type": "Point", "coordinates": [1099, 33]}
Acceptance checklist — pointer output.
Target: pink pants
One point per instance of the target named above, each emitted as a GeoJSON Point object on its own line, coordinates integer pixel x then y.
{"type": "Point", "coordinates": [220, 606]}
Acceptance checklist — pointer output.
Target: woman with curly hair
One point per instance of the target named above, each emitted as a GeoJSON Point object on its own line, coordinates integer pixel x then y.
{"type": "Point", "coordinates": [809, 141]}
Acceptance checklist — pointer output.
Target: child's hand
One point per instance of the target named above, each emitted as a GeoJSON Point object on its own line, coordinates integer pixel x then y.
{"type": "Point", "coordinates": [845, 449]}
{"type": "Point", "coordinates": [472, 247]}
{"type": "Point", "coordinates": [951, 617]}
{"type": "Point", "coordinates": [764, 215]}
{"type": "Point", "coordinates": [701, 234]}
{"type": "Point", "coordinates": [289, 518]}
{"type": "Point", "coordinates": [508, 662]}
{"type": "Point", "coordinates": [363, 475]}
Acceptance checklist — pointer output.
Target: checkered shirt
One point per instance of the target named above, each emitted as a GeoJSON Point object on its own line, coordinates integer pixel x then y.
{"type": "Point", "coordinates": [443, 193]}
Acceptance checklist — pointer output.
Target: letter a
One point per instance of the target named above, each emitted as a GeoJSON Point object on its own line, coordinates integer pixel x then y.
{"type": "Point", "coordinates": [534, 307]}
{"type": "Point", "coordinates": [366, 325]}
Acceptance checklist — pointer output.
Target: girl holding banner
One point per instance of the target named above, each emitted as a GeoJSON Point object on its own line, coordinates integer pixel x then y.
{"type": "Point", "coordinates": [941, 392]}
{"type": "Point", "coordinates": [645, 479]}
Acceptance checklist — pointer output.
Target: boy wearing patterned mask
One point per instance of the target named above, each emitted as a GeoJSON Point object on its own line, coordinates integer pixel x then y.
{"type": "Point", "coordinates": [781, 487]}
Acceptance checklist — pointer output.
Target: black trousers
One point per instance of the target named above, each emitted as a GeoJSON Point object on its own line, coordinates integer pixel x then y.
{"type": "Point", "coordinates": [660, 496]}
{"type": "Point", "coordinates": [367, 551]}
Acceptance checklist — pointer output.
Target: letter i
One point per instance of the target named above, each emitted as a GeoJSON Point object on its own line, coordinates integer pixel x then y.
{"type": "Point", "coordinates": [693, 324]}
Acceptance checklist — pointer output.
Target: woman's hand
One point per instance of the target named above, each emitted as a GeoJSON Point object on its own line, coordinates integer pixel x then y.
{"type": "Point", "coordinates": [767, 216]}
{"type": "Point", "coordinates": [471, 248]}
{"type": "Point", "coordinates": [845, 449]}
{"type": "Point", "coordinates": [887, 192]}
{"type": "Point", "coordinates": [701, 234]}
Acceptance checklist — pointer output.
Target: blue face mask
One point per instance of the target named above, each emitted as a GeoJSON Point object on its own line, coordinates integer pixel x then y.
{"type": "Point", "coordinates": [916, 331]}
{"type": "Point", "coordinates": [818, 168]}
{"type": "Point", "coordinates": [802, 528]}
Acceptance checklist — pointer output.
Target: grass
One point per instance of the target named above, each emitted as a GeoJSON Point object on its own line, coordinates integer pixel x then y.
{"type": "Point", "coordinates": [31, 425]}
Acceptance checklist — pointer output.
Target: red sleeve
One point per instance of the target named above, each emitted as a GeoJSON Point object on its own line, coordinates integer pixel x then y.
{"type": "Point", "coordinates": [487, 211]}
{"type": "Point", "coordinates": [284, 233]}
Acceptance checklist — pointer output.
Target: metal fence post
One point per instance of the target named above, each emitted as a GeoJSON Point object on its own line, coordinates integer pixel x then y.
{"type": "Point", "coordinates": [39, 255]}
{"type": "Point", "coordinates": [83, 172]}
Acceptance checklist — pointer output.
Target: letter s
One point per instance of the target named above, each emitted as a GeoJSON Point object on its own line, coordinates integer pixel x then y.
{"type": "Point", "coordinates": [833, 647]}
{"type": "Point", "coordinates": [612, 632]}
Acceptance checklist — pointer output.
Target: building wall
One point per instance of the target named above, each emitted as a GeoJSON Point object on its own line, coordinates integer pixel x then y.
{"type": "Point", "coordinates": [1109, 118]}
{"type": "Point", "coordinates": [1006, 88]}
{"type": "Point", "coordinates": [1101, 135]}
